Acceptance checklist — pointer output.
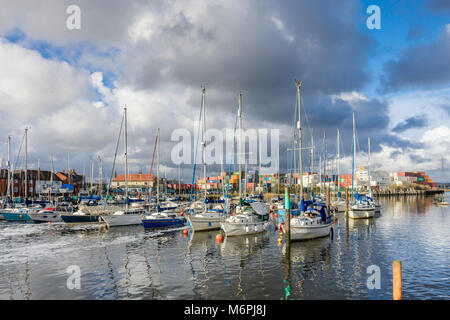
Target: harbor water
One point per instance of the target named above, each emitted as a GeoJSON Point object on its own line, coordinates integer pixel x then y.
{"type": "Point", "coordinates": [36, 261]}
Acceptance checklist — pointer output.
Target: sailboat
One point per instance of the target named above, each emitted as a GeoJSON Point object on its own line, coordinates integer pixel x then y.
{"type": "Point", "coordinates": [129, 216]}
{"type": "Point", "coordinates": [251, 218]}
{"type": "Point", "coordinates": [21, 214]}
{"type": "Point", "coordinates": [206, 219]}
{"type": "Point", "coordinates": [362, 208]}
{"type": "Point", "coordinates": [374, 202]}
{"type": "Point", "coordinates": [313, 220]}
{"type": "Point", "coordinates": [161, 219]}
{"type": "Point", "coordinates": [340, 204]}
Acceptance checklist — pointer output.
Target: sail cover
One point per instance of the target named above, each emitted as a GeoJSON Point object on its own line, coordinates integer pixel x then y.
{"type": "Point", "coordinates": [260, 208]}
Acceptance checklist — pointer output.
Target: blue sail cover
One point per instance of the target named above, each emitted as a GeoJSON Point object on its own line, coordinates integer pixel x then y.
{"type": "Point", "coordinates": [67, 186]}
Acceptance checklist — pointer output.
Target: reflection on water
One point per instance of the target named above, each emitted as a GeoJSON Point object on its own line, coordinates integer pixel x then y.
{"type": "Point", "coordinates": [130, 263]}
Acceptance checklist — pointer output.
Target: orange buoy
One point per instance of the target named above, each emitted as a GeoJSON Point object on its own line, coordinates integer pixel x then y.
{"type": "Point", "coordinates": [233, 214]}
{"type": "Point", "coordinates": [185, 231]}
{"type": "Point", "coordinates": [219, 238]}
{"type": "Point", "coordinates": [181, 214]}
{"type": "Point", "coordinates": [48, 222]}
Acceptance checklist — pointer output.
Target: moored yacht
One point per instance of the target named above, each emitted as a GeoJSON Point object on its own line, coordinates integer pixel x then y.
{"type": "Point", "coordinates": [252, 219]}
{"type": "Point", "coordinates": [312, 223]}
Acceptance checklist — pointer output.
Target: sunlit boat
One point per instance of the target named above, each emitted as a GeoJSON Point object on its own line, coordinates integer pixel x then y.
{"type": "Point", "coordinates": [132, 216]}
{"type": "Point", "coordinates": [362, 209]}
{"type": "Point", "coordinates": [312, 223]}
{"type": "Point", "coordinates": [207, 220]}
{"type": "Point", "coordinates": [252, 219]}
{"type": "Point", "coordinates": [50, 214]}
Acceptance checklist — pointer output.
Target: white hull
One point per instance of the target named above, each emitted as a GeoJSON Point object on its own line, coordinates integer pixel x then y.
{"type": "Point", "coordinates": [310, 232]}
{"type": "Point", "coordinates": [122, 220]}
{"type": "Point", "coordinates": [240, 229]}
{"type": "Point", "coordinates": [45, 217]}
{"type": "Point", "coordinates": [361, 213]}
{"type": "Point", "coordinates": [203, 224]}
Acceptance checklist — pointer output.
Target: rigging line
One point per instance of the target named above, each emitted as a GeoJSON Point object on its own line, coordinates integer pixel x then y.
{"type": "Point", "coordinates": [232, 157]}
{"type": "Point", "coordinates": [151, 166]}
{"type": "Point", "coordinates": [196, 149]}
{"type": "Point", "coordinates": [13, 169]}
{"type": "Point", "coordinates": [114, 161]}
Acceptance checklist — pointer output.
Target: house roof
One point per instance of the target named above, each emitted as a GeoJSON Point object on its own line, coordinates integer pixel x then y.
{"type": "Point", "coordinates": [135, 178]}
{"type": "Point", "coordinates": [33, 175]}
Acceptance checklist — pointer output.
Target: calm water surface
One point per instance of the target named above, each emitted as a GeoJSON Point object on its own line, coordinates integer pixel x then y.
{"type": "Point", "coordinates": [130, 263]}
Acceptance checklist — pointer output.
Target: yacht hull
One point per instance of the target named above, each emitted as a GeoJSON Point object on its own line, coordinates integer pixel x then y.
{"type": "Point", "coordinates": [162, 223]}
{"type": "Point", "coordinates": [204, 224]}
{"type": "Point", "coordinates": [81, 219]}
{"type": "Point", "coordinates": [240, 229]}
{"type": "Point", "coordinates": [122, 220]}
{"type": "Point", "coordinates": [45, 217]}
{"type": "Point", "coordinates": [17, 217]}
{"type": "Point", "coordinates": [361, 213]}
{"type": "Point", "coordinates": [299, 233]}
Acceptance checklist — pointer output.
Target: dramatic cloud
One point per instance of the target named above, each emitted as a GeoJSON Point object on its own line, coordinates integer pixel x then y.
{"type": "Point", "coordinates": [418, 121]}
{"type": "Point", "coordinates": [420, 65]}
{"type": "Point", "coordinates": [71, 86]}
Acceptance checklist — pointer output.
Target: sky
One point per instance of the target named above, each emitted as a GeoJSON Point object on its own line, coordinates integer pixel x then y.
{"type": "Point", "coordinates": [69, 86]}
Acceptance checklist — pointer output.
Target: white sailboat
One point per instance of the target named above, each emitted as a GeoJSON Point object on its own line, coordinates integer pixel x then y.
{"type": "Point", "coordinates": [340, 204]}
{"type": "Point", "coordinates": [313, 221]}
{"type": "Point", "coordinates": [206, 219]}
{"type": "Point", "coordinates": [253, 218]}
{"type": "Point", "coordinates": [129, 216]}
{"type": "Point", "coordinates": [361, 208]}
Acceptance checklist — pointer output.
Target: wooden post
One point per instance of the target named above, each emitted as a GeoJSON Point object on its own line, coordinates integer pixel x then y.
{"type": "Point", "coordinates": [287, 217]}
{"type": "Point", "coordinates": [397, 280]}
{"type": "Point", "coordinates": [328, 199]}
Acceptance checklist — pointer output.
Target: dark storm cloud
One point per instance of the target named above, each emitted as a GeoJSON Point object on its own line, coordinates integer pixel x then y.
{"type": "Point", "coordinates": [418, 121]}
{"type": "Point", "coordinates": [245, 50]}
{"type": "Point", "coordinates": [419, 66]}
{"type": "Point", "coordinates": [438, 6]}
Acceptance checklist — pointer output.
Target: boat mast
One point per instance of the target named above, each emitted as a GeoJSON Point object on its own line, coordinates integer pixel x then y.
{"type": "Point", "coordinates": [354, 154]}
{"type": "Point", "coordinates": [259, 169]}
{"type": "Point", "coordinates": [68, 166]}
{"type": "Point", "coordinates": [240, 145]}
{"type": "Point", "coordinates": [179, 179]}
{"type": "Point", "coordinates": [26, 165]}
{"type": "Point", "coordinates": [312, 159]}
{"type": "Point", "coordinates": [157, 171]}
{"type": "Point", "coordinates": [325, 160]}
{"type": "Point", "coordinates": [38, 178]}
{"type": "Point", "coordinates": [368, 168]}
{"type": "Point", "coordinates": [204, 140]}
{"type": "Point", "coordinates": [51, 179]}
{"type": "Point", "coordinates": [91, 174]}
{"type": "Point", "coordinates": [299, 127]}
{"type": "Point", "coordinates": [9, 166]}
{"type": "Point", "coordinates": [126, 159]}
{"type": "Point", "coordinates": [338, 160]}
{"type": "Point", "coordinates": [100, 176]}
